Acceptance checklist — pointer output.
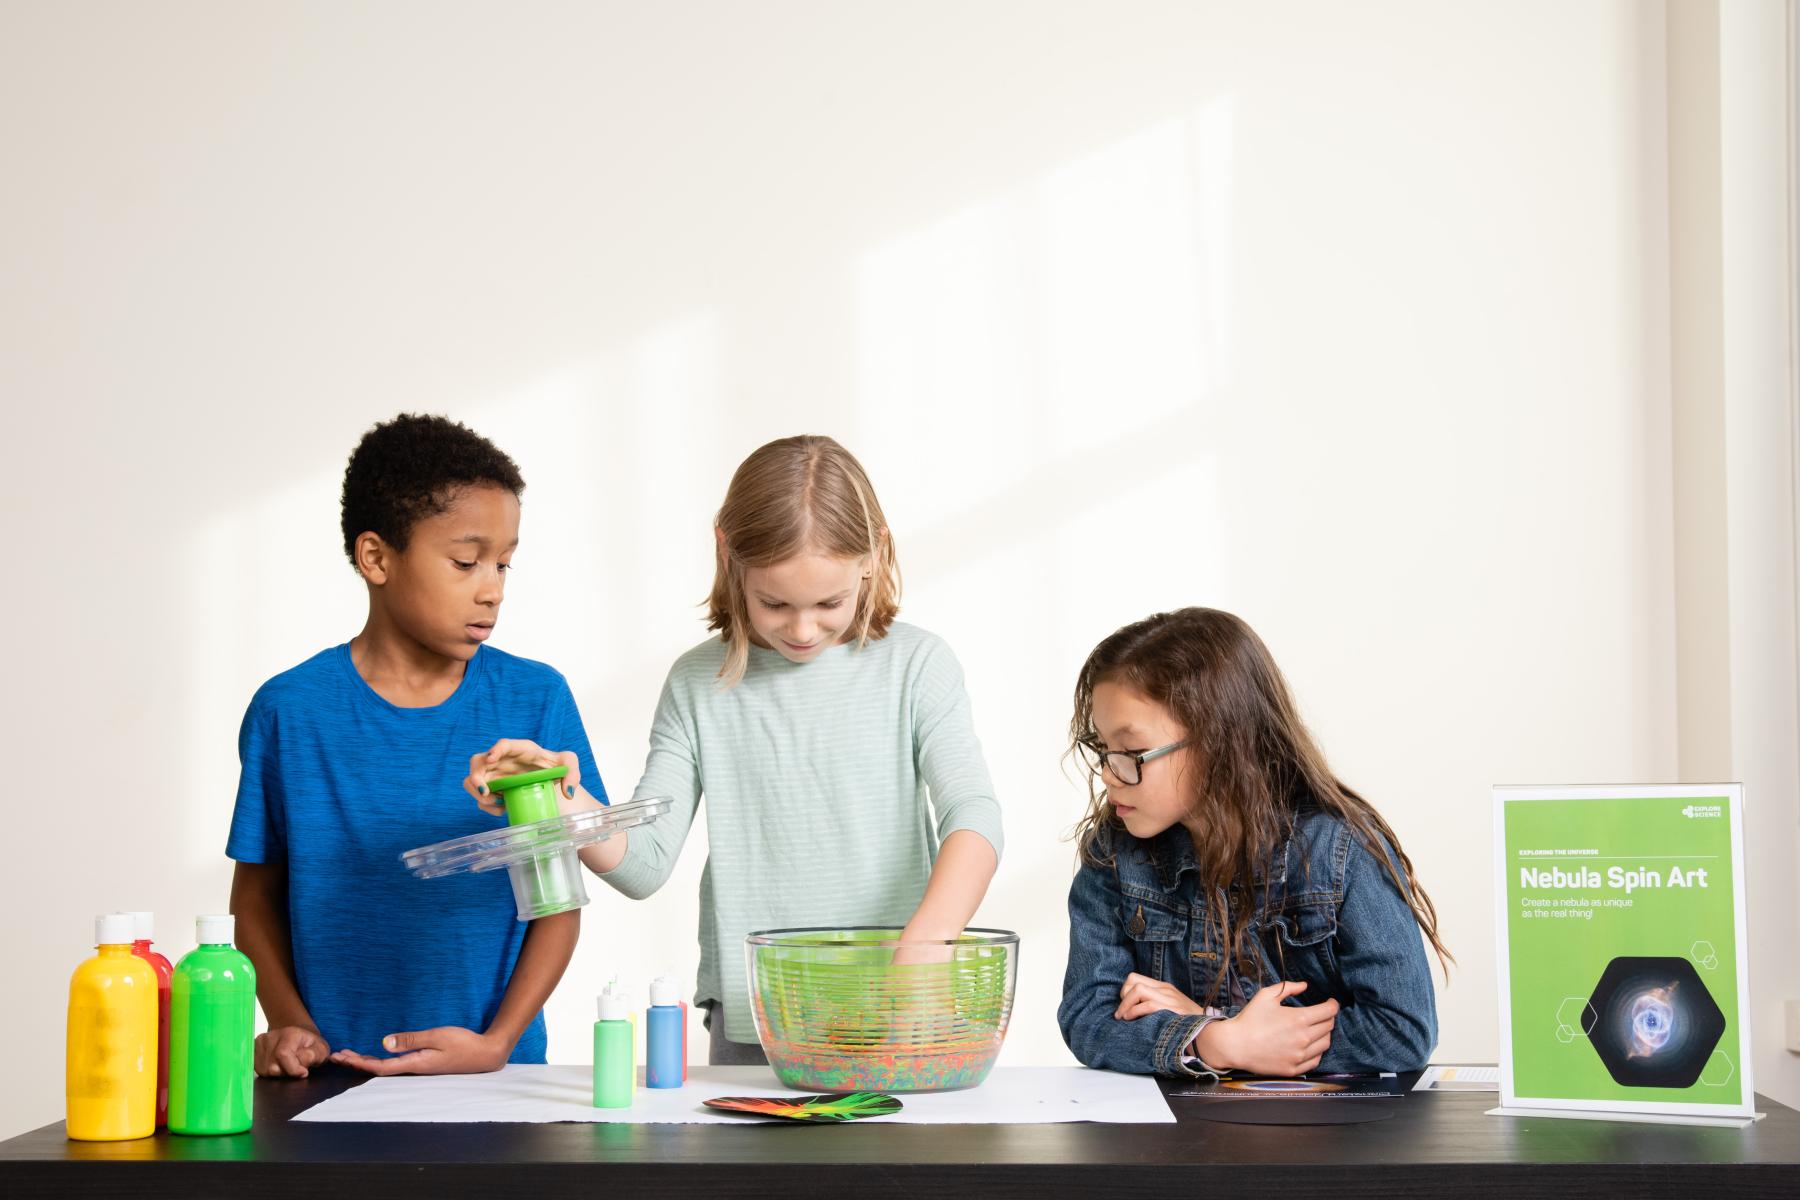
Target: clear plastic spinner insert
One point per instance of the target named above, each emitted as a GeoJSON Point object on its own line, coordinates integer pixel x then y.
{"type": "Point", "coordinates": [538, 846]}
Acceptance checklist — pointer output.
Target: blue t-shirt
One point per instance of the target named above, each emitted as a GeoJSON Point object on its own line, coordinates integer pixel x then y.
{"type": "Point", "coordinates": [338, 783]}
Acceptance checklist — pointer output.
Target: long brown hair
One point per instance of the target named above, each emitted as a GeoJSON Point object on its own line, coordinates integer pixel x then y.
{"type": "Point", "coordinates": [1258, 767]}
{"type": "Point", "coordinates": [794, 496]}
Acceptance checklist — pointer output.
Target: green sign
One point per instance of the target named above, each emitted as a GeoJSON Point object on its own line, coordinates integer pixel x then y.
{"type": "Point", "coordinates": [1621, 950]}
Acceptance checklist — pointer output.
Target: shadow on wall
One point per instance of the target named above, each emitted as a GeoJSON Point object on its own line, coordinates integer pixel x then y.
{"type": "Point", "coordinates": [1022, 369]}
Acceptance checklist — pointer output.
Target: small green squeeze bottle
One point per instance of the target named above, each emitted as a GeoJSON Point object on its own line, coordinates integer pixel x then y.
{"type": "Point", "coordinates": [212, 1034]}
{"type": "Point", "coordinates": [615, 1054]}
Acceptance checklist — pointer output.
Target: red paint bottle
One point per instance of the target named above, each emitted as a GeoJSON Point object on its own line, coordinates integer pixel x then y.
{"type": "Point", "coordinates": [143, 930]}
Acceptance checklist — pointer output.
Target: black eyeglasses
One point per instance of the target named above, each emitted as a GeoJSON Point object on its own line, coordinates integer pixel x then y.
{"type": "Point", "coordinates": [1127, 766]}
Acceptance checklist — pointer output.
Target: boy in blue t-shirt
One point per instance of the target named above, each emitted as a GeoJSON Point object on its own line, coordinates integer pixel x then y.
{"type": "Point", "coordinates": [359, 753]}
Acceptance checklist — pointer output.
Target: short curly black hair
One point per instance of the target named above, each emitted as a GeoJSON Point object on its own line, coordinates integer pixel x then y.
{"type": "Point", "coordinates": [414, 467]}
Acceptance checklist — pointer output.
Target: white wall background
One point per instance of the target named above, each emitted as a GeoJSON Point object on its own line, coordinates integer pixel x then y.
{"type": "Point", "coordinates": [1352, 319]}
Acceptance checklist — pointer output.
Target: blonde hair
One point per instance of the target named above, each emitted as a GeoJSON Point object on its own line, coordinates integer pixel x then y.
{"type": "Point", "coordinates": [792, 496]}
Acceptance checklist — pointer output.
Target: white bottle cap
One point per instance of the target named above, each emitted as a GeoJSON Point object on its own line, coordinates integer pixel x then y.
{"type": "Point", "coordinates": [113, 929]}
{"type": "Point", "coordinates": [143, 925]}
{"type": "Point", "coordinates": [612, 1007]}
{"type": "Point", "coordinates": [664, 990]}
{"type": "Point", "coordinates": [214, 930]}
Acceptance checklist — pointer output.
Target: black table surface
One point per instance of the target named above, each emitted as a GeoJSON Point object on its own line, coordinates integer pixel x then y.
{"type": "Point", "coordinates": [1436, 1143]}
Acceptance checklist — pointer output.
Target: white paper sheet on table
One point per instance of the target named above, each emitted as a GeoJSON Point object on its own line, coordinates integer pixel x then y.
{"type": "Point", "coordinates": [1010, 1096]}
{"type": "Point", "coordinates": [1458, 1079]}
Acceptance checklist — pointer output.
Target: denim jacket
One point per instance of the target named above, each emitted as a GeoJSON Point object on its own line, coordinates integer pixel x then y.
{"type": "Point", "coordinates": [1331, 918]}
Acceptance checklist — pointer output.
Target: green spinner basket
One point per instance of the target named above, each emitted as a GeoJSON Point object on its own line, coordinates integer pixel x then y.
{"type": "Point", "coordinates": [857, 1010]}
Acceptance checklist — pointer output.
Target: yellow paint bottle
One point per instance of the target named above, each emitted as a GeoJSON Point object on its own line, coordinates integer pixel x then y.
{"type": "Point", "coordinates": [111, 1065]}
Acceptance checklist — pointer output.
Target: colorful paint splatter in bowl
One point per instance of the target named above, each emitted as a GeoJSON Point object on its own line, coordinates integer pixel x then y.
{"type": "Point", "coordinates": [857, 1010]}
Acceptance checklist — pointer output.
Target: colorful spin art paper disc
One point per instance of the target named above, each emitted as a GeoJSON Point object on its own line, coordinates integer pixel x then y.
{"type": "Point", "coordinates": [816, 1110]}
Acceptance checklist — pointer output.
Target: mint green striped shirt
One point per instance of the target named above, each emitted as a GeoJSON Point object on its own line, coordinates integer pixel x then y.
{"type": "Point", "coordinates": [829, 786]}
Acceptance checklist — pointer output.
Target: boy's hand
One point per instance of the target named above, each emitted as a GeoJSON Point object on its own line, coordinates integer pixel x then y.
{"type": "Point", "coordinates": [1268, 1037]}
{"type": "Point", "coordinates": [289, 1051]}
{"type": "Point", "coordinates": [515, 756]}
{"type": "Point", "coordinates": [1141, 995]}
{"type": "Point", "coordinates": [446, 1050]}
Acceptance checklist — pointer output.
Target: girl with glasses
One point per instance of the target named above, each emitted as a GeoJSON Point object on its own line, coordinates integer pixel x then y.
{"type": "Point", "coordinates": [1237, 906]}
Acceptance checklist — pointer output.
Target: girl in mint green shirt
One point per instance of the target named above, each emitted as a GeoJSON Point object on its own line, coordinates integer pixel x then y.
{"type": "Point", "coordinates": [834, 746]}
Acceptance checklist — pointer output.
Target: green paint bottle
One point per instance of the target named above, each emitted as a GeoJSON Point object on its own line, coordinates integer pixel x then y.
{"type": "Point", "coordinates": [212, 1034]}
{"type": "Point", "coordinates": [547, 883]}
{"type": "Point", "coordinates": [615, 1054]}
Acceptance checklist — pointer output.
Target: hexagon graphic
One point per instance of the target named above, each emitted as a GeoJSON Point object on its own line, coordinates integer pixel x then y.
{"type": "Point", "coordinates": [1575, 1018]}
{"type": "Point", "coordinates": [1719, 1070]}
{"type": "Point", "coordinates": [1657, 1024]}
{"type": "Point", "coordinates": [1703, 953]}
